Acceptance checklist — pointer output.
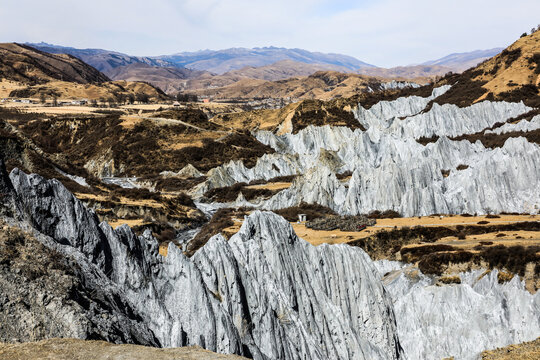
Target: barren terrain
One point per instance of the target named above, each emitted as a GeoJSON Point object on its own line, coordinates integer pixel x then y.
{"type": "Point", "coordinates": [69, 349]}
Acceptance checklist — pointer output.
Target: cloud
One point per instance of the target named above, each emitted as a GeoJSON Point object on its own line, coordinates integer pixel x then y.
{"type": "Point", "coordinates": [385, 32]}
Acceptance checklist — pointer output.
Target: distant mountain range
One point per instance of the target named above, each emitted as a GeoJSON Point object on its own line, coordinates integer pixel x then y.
{"type": "Point", "coordinates": [103, 60]}
{"type": "Point", "coordinates": [466, 60]}
{"type": "Point", "coordinates": [214, 61]}
{"type": "Point", "coordinates": [210, 69]}
{"type": "Point", "coordinates": [222, 61]}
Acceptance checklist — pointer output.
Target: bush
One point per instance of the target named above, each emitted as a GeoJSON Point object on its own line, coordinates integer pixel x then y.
{"type": "Point", "coordinates": [387, 214]}
{"type": "Point", "coordinates": [313, 211]}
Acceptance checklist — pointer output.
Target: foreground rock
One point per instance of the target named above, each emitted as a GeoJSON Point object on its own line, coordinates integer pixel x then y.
{"type": "Point", "coordinates": [265, 293]}
{"type": "Point", "coordinates": [460, 320]}
{"type": "Point", "coordinates": [68, 349]}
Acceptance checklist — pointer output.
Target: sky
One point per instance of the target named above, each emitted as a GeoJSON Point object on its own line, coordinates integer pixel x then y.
{"type": "Point", "coordinates": [380, 32]}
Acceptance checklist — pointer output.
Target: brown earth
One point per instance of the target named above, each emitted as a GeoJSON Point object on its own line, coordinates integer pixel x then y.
{"type": "Point", "coordinates": [27, 65]}
{"type": "Point", "coordinates": [418, 73]}
{"type": "Point", "coordinates": [513, 75]}
{"type": "Point", "coordinates": [32, 73]}
{"type": "Point", "coordinates": [524, 351]}
{"type": "Point", "coordinates": [322, 85]}
{"type": "Point", "coordinates": [69, 349]}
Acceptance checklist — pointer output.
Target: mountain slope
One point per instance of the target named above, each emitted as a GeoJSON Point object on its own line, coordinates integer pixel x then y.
{"type": "Point", "coordinates": [407, 72]}
{"type": "Point", "coordinates": [168, 79]}
{"type": "Point", "coordinates": [33, 73]}
{"type": "Point", "coordinates": [27, 65]}
{"type": "Point", "coordinates": [513, 75]}
{"type": "Point", "coordinates": [222, 61]}
{"type": "Point", "coordinates": [323, 85]}
{"type": "Point", "coordinates": [283, 69]}
{"type": "Point", "coordinates": [103, 60]}
{"type": "Point", "coordinates": [458, 62]}
{"type": "Point", "coordinates": [463, 61]}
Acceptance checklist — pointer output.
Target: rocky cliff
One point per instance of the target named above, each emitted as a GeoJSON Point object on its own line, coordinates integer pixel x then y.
{"type": "Point", "coordinates": [265, 293]}
{"type": "Point", "coordinates": [392, 171]}
{"type": "Point", "coordinates": [462, 319]}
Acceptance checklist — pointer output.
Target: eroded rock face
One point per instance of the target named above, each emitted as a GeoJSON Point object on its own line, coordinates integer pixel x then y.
{"type": "Point", "coordinates": [265, 293]}
{"type": "Point", "coordinates": [392, 171]}
{"type": "Point", "coordinates": [522, 125]}
{"type": "Point", "coordinates": [459, 320]}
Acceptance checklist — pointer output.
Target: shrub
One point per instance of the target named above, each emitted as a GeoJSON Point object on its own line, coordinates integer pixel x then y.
{"type": "Point", "coordinates": [450, 280]}
{"type": "Point", "coordinates": [387, 214]}
{"type": "Point", "coordinates": [313, 211]}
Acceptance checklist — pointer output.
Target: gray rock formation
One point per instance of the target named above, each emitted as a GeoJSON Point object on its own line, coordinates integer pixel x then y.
{"type": "Point", "coordinates": [407, 177]}
{"type": "Point", "coordinates": [522, 125]}
{"type": "Point", "coordinates": [392, 171]}
{"type": "Point", "coordinates": [459, 320]}
{"type": "Point", "coordinates": [265, 293]}
{"type": "Point", "coordinates": [46, 294]}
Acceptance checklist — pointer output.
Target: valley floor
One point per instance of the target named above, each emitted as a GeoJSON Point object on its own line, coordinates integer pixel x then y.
{"type": "Point", "coordinates": [69, 349]}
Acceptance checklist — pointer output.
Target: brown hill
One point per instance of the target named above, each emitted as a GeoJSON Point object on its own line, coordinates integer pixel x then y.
{"type": "Point", "coordinates": [173, 80]}
{"type": "Point", "coordinates": [27, 73]}
{"type": "Point", "coordinates": [513, 75]}
{"type": "Point", "coordinates": [407, 72]}
{"type": "Point", "coordinates": [168, 79]}
{"type": "Point", "coordinates": [283, 70]}
{"type": "Point", "coordinates": [322, 85]}
{"type": "Point", "coordinates": [30, 66]}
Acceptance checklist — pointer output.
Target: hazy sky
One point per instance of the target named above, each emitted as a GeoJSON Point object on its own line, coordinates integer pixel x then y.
{"type": "Point", "coordinates": [382, 32]}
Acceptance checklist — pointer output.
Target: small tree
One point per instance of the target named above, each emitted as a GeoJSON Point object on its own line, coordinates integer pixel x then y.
{"type": "Point", "coordinates": [54, 100]}
{"type": "Point", "coordinates": [94, 103]}
{"type": "Point", "coordinates": [523, 35]}
{"type": "Point", "coordinates": [42, 98]}
{"type": "Point", "coordinates": [181, 97]}
{"type": "Point", "coordinates": [111, 101]}
{"type": "Point", "coordinates": [121, 98]}
{"type": "Point", "coordinates": [143, 98]}
{"type": "Point", "coordinates": [131, 98]}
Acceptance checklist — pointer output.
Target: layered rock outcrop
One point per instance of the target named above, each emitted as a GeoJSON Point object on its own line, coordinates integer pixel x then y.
{"type": "Point", "coordinates": [460, 320]}
{"type": "Point", "coordinates": [265, 293]}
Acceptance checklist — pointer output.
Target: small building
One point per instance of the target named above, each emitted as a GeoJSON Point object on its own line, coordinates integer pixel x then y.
{"type": "Point", "coordinates": [302, 217]}
{"type": "Point", "coordinates": [206, 101]}
{"type": "Point", "coordinates": [176, 104]}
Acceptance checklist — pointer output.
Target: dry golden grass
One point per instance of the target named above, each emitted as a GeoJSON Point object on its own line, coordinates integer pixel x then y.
{"type": "Point", "coordinates": [271, 186]}
{"type": "Point", "coordinates": [130, 222]}
{"type": "Point", "coordinates": [519, 72]}
{"type": "Point", "coordinates": [525, 351]}
{"type": "Point", "coordinates": [317, 237]}
{"type": "Point", "coordinates": [453, 220]}
{"type": "Point", "coordinates": [69, 349]}
{"type": "Point", "coordinates": [121, 200]}
{"type": "Point", "coordinates": [7, 86]}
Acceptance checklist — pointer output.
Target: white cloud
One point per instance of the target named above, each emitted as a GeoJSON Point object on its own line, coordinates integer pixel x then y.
{"type": "Point", "coordinates": [385, 32]}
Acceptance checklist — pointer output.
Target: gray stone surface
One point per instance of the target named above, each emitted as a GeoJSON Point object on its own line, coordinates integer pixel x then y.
{"type": "Point", "coordinates": [265, 293]}
{"type": "Point", "coordinates": [436, 322]}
